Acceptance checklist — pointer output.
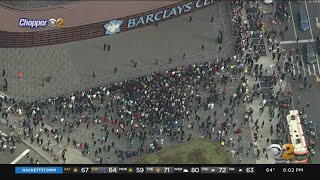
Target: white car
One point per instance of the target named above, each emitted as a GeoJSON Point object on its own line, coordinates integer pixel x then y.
{"type": "Point", "coordinates": [267, 1]}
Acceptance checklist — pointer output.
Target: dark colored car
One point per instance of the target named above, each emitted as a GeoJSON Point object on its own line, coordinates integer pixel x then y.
{"type": "Point", "coordinates": [304, 22]}
{"type": "Point", "coordinates": [309, 53]}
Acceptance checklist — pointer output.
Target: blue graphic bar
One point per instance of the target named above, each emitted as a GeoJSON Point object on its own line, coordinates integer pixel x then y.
{"type": "Point", "coordinates": [39, 170]}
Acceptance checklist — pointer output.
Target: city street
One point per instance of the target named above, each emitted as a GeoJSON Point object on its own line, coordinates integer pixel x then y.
{"type": "Point", "coordinates": [6, 157]}
{"type": "Point", "coordinates": [311, 96]}
{"type": "Point", "coordinates": [168, 45]}
{"type": "Point", "coordinates": [309, 36]}
{"type": "Point", "coordinates": [314, 14]}
{"type": "Point", "coordinates": [78, 66]}
{"type": "Point", "coordinates": [310, 71]}
{"type": "Point", "coordinates": [294, 30]}
{"type": "Point", "coordinates": [305, 68]}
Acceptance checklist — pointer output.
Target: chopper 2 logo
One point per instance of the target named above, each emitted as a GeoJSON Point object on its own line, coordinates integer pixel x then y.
{"type": "Point", "coordinates": [31, 23]}
{"type": "Point", "coordinates": [275, 151]}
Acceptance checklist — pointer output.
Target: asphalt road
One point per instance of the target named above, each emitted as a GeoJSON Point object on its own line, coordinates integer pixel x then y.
{"type": "Point", "coordinates": [6, 157]}
{"type": "Point", "coordinates": [289, 42]}
{"type": "Point", "coordinates": [311, 96]}
{"type": "Point", "coordinates": [305, 68]}
{"type": "Point", "coordinates": [312, 9]}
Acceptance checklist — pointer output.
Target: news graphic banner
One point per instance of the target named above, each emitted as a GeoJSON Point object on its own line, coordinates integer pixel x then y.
{"type": "Point", "coordinates": [168, 169]}
{"type": "Point", "coordinates": [131, 170]}
{"type": "Point", "coordinates": [38, 23]}
{"type": "Point", "coordinates": [39, 170]}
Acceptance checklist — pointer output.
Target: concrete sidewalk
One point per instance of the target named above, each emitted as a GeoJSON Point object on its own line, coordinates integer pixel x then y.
{"type": "Point", "coordinates": [270, 65]}
{"type": "Point", "coordinates": [256, 104]}
{"type": "Point", "coordinates": [73, 155]}
{"type": "Point", "coordinates": [71, 65]}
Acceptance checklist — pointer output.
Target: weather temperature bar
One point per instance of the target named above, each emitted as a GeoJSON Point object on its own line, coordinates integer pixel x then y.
{"type": "Point", "coordinates": [166, 169]}
{"type": "Point", "coordinates": [157, 170]}
{"type": "Point", "coordinates": [180, 169]}
{"type": "Point", "coordinates": [131, 170]}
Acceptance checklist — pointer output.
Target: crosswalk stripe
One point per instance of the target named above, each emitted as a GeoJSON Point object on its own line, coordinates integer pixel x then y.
{"type": "Point", "coordinates": [294, 70]}
{"type": "Point", "coordinates": [298, 67]}
{"type": "Point", "coordinates": [295, 42]}
{"type": "Point", "coordinates": [284, 62]}
{"type": "Point", "coordinates": [309, 69]}
{"type": "Point", "coordinates": [318, 64]}
{"type": "Point", "coordinates": [314, 69]}
{"type": "Point", "coordinates": [304, 69]}
{"type": "Point", "coordinates": [20, 156]}
{"type": "Point", "coordinates": [313, 1]}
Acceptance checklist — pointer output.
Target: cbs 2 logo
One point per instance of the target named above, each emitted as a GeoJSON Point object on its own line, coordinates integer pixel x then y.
{"type": "Point", "coordinates": [59, 23]}
{"type": "Point", "coordinates": [286, 152]}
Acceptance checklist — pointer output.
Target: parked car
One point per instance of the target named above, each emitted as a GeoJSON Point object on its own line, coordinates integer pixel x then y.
{"type": "Point", "coordinates": [304, 22]}
{"type": "Point", "coordinates": [309, 53]}
{"type": "Point", "coordinates": [318, 44]}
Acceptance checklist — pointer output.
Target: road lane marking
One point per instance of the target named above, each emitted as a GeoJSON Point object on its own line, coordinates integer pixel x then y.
{"type": "Point", "coordinates": [20, 156]}
{"type": "Point", "coordinates": [300, 41]}
{"type": "Point", "coordinates": [293, 69]}
{"type": "Point", "coordinates": [297, 64]}
{"type": "Point", "coordinates": [292, 98]}
{"type": "Point", "coordinates": [314, 68]}
{"type": "Point", "coordinates": [4, 136]}
{"type": "Point", "coordinates": [294, 26]}
{"type": "Point", "coordinates": [309, 69]}
{"type": "Point", "coordinates": [304, 69]}
{"type": "Point", "coordinates": [284, 63]}
{"type": "Point", "coordinates": [314, 1]}
{"type": "Point", "coordinates": [305, 2]}
{"type": "Point", "coordinates": [318, 64]}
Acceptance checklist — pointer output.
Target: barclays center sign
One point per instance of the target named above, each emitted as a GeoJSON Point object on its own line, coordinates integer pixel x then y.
{"type": "Point", "coordinates": [114, 26]}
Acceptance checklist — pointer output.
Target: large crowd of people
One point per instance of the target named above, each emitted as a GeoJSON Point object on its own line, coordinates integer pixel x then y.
{"type": "Point", "coordinates": [139, 109]}
{"type": "Point", "coordinates": [147, 110]}
{"type": "Point", "coordinates": [145, 114]}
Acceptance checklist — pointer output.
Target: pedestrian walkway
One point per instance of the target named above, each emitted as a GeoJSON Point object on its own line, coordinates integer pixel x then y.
{"type": "Point", "coordinates": [264, 131]}
{"type": "Point", "coordinates": [303, 68]}
{"type": "Point", "coordinates": [258, 43]}
{"type": "Point", "coordinates": [83, 134]}
{"type": "Point", "coordinates": [266, 86]}
{"type": "Point", "coordinates": [70, 65]}
{"type": "Point", "coordinates": [72, 155]}
{"type": "Point", "coordinates": [265, 137]}
{"type": "Point", "coordinates": [2, 95]}
{"type": "Point", "coordinates": [313, 1]}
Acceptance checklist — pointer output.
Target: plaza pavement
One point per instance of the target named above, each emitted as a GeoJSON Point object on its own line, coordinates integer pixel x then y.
{"type": "Point", "coordinates": [71, 65]}
{"type": "Point", "coordinates": [256, 104]}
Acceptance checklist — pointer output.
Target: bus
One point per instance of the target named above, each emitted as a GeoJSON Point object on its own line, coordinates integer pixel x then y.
{"type": "Point", "coordinates": [297, 138]}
